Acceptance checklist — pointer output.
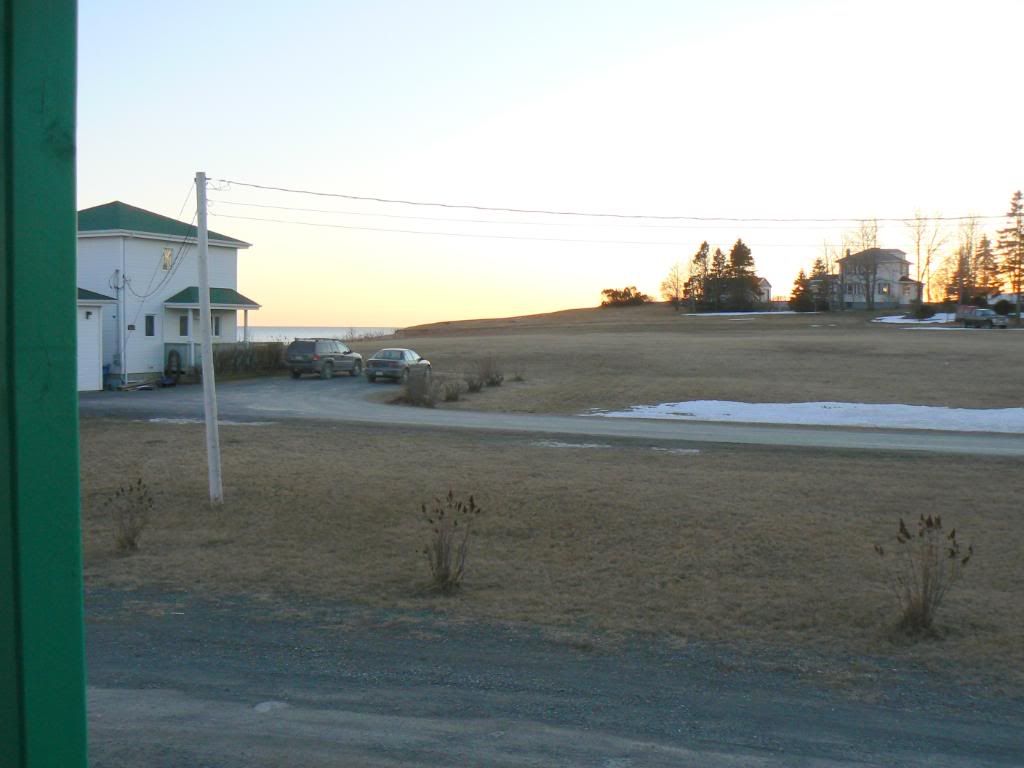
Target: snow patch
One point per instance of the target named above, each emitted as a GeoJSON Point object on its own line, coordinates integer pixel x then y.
{"type": "Point", "coordinates": [891, 416]}
{"type": "Point", "coordinates": [557, 444]}
{"type": "Point", "coordinates": [938, 317]}
{"type": "Point", "coordinates": [221, 422]}
{"type": "Point", "coordinates": [678, 451]}
{"type": "Point", "coordinates": [745, 314]}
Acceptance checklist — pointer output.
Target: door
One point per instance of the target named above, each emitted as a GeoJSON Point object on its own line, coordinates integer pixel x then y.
{"type": "Point", "coordinates": [90, 357]}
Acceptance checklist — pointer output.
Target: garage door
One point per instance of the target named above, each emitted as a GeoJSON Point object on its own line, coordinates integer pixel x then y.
{"type": "Point", "coordinates": [90, 362]}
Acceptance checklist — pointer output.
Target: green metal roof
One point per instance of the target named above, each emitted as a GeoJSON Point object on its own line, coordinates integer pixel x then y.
{"type": "Point", "coordinates": [221, 297]}
{"type": "Point", "coordinates": [118, 216]}
{"type": "Point", "coordinates": [84, 295]}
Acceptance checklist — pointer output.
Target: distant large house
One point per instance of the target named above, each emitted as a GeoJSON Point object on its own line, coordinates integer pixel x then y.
{"type": "Point", "coordinates": [877, 278]}
{"type": "Point", "coordinates": [138, 300]}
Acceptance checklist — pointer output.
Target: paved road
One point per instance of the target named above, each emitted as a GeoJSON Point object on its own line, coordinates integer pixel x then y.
{"type": "Point", "coordinates": [345, 400]}
{"type": "Point", "coordinates": [178, 681]}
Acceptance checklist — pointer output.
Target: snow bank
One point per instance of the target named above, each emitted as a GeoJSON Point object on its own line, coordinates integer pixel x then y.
{"type": "Point", "coordinates": [834, 414]}
{"type": "Point", "coordinates": [745, 314]}
{"type": "Point", "coordinates": [938, 317]}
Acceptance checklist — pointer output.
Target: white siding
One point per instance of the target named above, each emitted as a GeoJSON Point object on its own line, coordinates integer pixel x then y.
{"type": "Point", "coordinates": [148, 286]}
{"type": "Point", "coordinates": [90, 357]}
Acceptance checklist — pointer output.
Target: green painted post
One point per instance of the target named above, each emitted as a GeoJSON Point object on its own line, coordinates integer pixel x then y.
{"type": "Point", "coordinates": [42, 680]}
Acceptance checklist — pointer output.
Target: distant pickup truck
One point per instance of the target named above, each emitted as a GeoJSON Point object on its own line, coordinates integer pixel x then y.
{"type": "Point", "coordinates": [979, 317]}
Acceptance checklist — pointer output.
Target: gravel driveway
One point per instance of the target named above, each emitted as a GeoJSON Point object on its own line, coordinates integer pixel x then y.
{"type": "Point", "coordinates": [346, 399]}
{"type": "Point", "coordinates": [176, 680]}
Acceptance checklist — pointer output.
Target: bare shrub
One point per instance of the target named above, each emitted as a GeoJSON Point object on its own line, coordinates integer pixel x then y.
{"type": "Point", "coordinates": [489, 370]}
{"type": "Point", "coordinates": [248, 357]}
{"type": "Point", "coordinates": [519, 373]}
{"type": "Point", "coordinates": [474, 383]}
{"type": "Point", "coordinates": [450, 520]}
{"type": "Point", "coordinates": [451, 390]}
{"type": "Point", "coordinates": [130, 508]}
{"type": "Point", "coordinates": [922, 569]}
{"type": "Point", "coordinates": [419, 389]}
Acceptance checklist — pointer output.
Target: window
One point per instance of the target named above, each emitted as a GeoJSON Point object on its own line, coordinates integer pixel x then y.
{"type": "Point", "coordinates": [884, 289]}
{"type": "Point", "coordinates": [216, 325]}
{"type": "Point", "coordinates": [151, 325]}
{"type": "Point", "coordinates": [183, 325]}
{"type": "Point", "coordinates": [168, 259]}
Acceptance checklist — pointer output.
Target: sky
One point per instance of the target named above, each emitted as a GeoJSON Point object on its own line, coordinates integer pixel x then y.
{"type": "Point", "coordinates": [731, 109]}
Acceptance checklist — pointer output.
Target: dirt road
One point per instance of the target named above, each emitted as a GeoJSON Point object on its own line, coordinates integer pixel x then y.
{"type": "Point", "coordinates": [345, 400]}
{"type": "Point", "coordinates": [180, 681]}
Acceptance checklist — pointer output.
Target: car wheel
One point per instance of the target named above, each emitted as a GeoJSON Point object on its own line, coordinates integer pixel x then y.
{"type": "Point", "coordinates": [404, 377]}
{"type": "Point", "coordinates": [371, 378]}
{"type": "Point", "coordinates": [357, 368]}
{"type": "Point", "coordinates": [988, 324]}
{"type": "Point", "coordinates": [296, 374]}
{"type": "Point", "coordinates": [326, 371]}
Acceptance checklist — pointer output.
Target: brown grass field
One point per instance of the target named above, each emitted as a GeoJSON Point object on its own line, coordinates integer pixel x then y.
{"type": "Point", "coordinates": [612, 358]}
{"type": "Point", "coordinates": [736, 545]}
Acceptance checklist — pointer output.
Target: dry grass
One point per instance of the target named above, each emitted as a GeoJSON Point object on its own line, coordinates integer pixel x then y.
{"type": "Point", "coordinates": [611, 358]}
{"type": "Point", "coordinates": [726, 544]}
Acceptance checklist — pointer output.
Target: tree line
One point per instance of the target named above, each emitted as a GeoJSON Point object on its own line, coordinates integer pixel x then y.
{"type": "Point", "coordinates": [973, 269]}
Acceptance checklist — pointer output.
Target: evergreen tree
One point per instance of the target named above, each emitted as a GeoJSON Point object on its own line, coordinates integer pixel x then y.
{"type": "Point", "coordinates": [741, 287]}
{"type": "Point", "coordinates": [700, 269]}
{"type": "Point", "coordinates": [715, 291]}
{"type": "Point", "coordinates": [741, 262]}
{"type": "Point", "coordinates": [820, 282]}
{"type": "Point", "coordinates": [801, 299]}
{"type": "Point", "coordinates": [1010, 247]}
{"type": "Point", "coordinates": [986, 267]}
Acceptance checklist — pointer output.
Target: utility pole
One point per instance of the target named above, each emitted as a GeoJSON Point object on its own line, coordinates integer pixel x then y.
{"type": "Point", "coordinates": [206, 338]}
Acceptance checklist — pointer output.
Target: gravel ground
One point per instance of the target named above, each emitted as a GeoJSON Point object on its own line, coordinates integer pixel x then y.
{"type": "Point", "coordinates": [178, 680]}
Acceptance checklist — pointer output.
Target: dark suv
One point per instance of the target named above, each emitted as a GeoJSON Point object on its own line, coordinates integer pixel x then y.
{"type": "Point", "coordinates": [323, 356]}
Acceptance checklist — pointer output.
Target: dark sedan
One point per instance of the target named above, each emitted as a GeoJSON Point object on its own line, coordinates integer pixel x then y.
{"type": "Point", "coordinates": [395, 364]}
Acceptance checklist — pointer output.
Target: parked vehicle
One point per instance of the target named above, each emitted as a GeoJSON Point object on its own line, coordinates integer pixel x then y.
{"type": "Point", "coordinates": [395, 364]}
{"type": "Point", "coordinates": [322, 356]}
{"type": "Point", "coordinates": [980, 317]}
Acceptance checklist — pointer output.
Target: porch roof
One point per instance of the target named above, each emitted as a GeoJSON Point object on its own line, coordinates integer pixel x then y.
{"type": "Point", "coordinates": [220, 298]}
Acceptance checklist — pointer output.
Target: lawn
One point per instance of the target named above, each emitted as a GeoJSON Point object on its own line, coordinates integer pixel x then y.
{"type": "Point", "coordinates": [616, 357]}
{"type": "Point", "coordinates": [738, 545]}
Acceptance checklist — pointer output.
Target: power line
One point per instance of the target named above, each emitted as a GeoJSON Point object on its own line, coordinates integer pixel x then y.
{"type": "Point", "coordinates": [505, 222]}
{"type": "Point", "coordinates": [673, 243]}
{"type": "Point", "coordinates": [593, 214]}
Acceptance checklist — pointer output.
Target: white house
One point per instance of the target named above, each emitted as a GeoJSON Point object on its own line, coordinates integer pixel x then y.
{"type": "Point", "coordinates": [144, 267]}
{"type": "Point", "coordinates": [877, 278]}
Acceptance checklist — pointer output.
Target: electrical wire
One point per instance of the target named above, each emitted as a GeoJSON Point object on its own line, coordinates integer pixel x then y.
{"type": "Point", "coordinates": [594, 214]}
{"type": "Point", "coordinates": [673, 243]}
{"type": "Point", "coordinates": [507, 222]}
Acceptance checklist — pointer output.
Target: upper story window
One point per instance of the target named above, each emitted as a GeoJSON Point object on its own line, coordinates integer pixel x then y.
{"type": "Point", "coordinates": [183, 325]}
{"type": "Point", "coordinates": [168, 259]}
{"type": "Point", "coordinates": [150, 325]}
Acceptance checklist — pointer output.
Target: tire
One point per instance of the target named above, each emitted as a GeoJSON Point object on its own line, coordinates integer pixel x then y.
{"type": "Point", "coordinates": [357, 369]}
{"type": "Point", "coordinates": [988, 324]}
{"type": "Point", "coordinates": [296, 374]}
{"type": "Point", "coordinates": [326, 371]}
{"type": "Point", "coordinates": [404, 377]}
{"type": "Point", "coordinates": [966, 325]}
{"type": "Point", "coordinates": [371, 378]}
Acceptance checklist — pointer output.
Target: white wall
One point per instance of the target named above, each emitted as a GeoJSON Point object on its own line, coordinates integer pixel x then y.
{"type": "Point", "coordinates": [90, 362]}
{"type": "Point", "coordinates": [148, 287]}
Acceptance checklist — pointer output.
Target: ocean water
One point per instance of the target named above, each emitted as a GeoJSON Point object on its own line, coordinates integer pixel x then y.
{"type": "Point", "coordinates": [289, 332]}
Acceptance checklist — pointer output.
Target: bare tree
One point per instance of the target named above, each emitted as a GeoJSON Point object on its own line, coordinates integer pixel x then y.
{"type": "Point", "coordinates": [928, 237]}
{"type": "Point", "coordinates": [673, 286]}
